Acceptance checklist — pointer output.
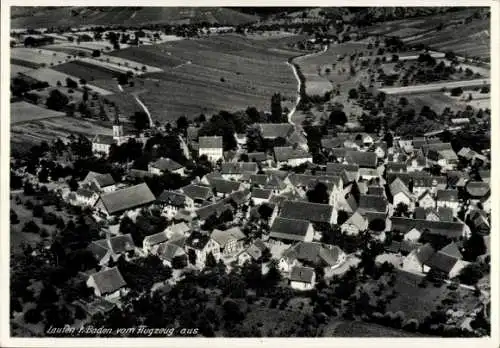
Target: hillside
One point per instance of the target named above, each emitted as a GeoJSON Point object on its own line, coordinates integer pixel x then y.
{"type": "Point", "coordinates": [42, 17]}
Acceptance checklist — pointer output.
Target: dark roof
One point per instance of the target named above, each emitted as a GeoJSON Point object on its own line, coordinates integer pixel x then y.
{"type": "Point", "coordinates": [363, 159]}
{"type": "Point", "coordinates": [261, 193]}
{"type": "Point", "coordinates": [168, 251]}
{"type": "Point", "coordinates": [338, 168]}
{"type": "Point", "coordinates": [166, 164]}
{"type": "Point", "coordinates": [285, 153]}
{"type": "Point", "coordinates": [447, 195]}
{"type": "Point", "coordinates": [275, 130]}
{"type": "Point", "coordinates": [223, 237]}
{"type": "Point", "coordinates": [398, 186]}
{"type": "Point", "coordinates": [127, 198]}
{"type": "Point", "coordinates": [452, 230]}
{"type": "Point", "coordinates": [103, 139]}
{"type": "Point", "coordinates": [85, 193]}
{"type": "Point", "coordinates": [290, 229]}
{"type": "Point", "coordinates": [98, 249]}
{"type": "Point", "coordinates": [239, 197]}
{"type": "Point", "coordinates": [302, 274]}
{"type": "Point", "coordinates": [259, 179]}
{"type": "Point", "coordinates": [257, 156]}
{"type": "Point", "coordinates": [224, 186]}
{"type": "Point", "coordinates": [104, 180]}
{"type": "Point", "coordinates": [452, 250]}
{"type": "Point", "coordinates": [425, 252]}
{"type": "Point", "coordinates": [372, 203]}
{"type": "Point", "coordinates": [175, 199]}
{"type": "Point", "coordinates": [376, 190]}
{"type": "Point", "coordinates": [194, 191]}
{"type": "Point", "coordinates": [396, 167]}
{"type": "Point", "coordinates": [210, 142]}
{"type": "Point", "coordinates": [156, 238]}
{"type": "Point", "coordinates": [330, 143]}
{"type": "Point", "coordinates": [429, 181]}
{"type": "Point", "coordinates": [108, 281]}
{"type": "Point", "coordinates": [121, 244]}
{"type": "Point", "coordinates": [137, 173]}
{"type": "Point", "coordinates": [217, 208]}
{"type": "Point", "coordinates": [239, 167]}
{"type": "Point", "coordinates": [477, 189]}
{"type": "Point", "coordinates": [445, 214]}
{"type": "Point", "coordinates": [314, 212]}
{"type": "Point", "coordinates": [441, 262]}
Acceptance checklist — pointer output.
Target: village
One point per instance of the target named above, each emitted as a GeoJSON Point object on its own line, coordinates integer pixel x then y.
{"type": "Point", "coordinates": [307, 217]}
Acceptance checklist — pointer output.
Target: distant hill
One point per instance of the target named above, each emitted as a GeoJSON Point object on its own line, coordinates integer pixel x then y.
{"type": "Point", "coordinates": [43, 17]}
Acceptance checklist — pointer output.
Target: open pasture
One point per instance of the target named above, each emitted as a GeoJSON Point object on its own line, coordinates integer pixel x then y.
{"type": "Point", "coordinates": [16, 69]}
{"type": "Point", "coordinates": [225, 72]}
{"type": "Point", "coordinates": [87, 71]}
{"type": "Point", "coordinates": [25, 112]}
{"type": "Point", "coordinates": [37, 56]}
{"type": "Point", "coordinates": [122, 65]}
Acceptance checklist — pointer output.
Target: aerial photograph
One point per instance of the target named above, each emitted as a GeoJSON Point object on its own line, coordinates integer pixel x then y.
{"type": "Point", "coordinates": [249, 172]}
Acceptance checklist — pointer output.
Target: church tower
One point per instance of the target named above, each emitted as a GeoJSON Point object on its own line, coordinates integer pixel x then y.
{"type": "Point", "coordinates": [117, 129]}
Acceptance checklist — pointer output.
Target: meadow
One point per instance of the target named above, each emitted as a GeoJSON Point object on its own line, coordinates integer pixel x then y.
{"type": "Point", "coordinates": [26, 112]}
{"type": "Point", "coordinates": [35, 57]}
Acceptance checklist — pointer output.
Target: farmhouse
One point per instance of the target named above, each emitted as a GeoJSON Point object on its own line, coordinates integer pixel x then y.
{"type": "Point", "coordinates": [291, 155]}
{"type": "Point", "coordinates": [302, 278]}
{"type": "Point", "coordinates": [260, 196]}
{"type": "Point", "coordinates": [172, 255]}
{"type": "Point", "coordinates": [99, 182]}
{"type": "Point", "coordinates": [119, 201]}
{"type": "Point", "coordinates": [197, 193]}
{"type": "Point", "coordinates": [312, 212]}
{"type": "Point", "coordinates": [355, 224]}
{"type": "Point", "coordinates": [362, 159]}
{"type": "Point", "coordinates": [211, 147]}
{"type": "Point", "coordinates": [253, 253]}
{"type": "Point", "coordinates": [164, 165]}
{"type": "Point", "coordinates": [108, 283]}
{"type": "Point", "coordinates": [151, 243]}
{"type": "Point", "coordinates": [448, 199]}
{"type": "Point", "coordinates": [172, 202]}
{"type": "Point", "coordinates": [235, 171]}
{"type": "Point", "coordinates": [401, 194]}
{"type": "Point", "coordinates": [230, 241]}
{"type": "Point", "coordinates": [291, 230]}
{"type": "Point", "coordinates": [198, 246]}
{"type": "Point", "coordinates": [449, 230]}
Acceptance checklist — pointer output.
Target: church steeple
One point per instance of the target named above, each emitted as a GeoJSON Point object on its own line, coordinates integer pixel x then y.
{"type": "Point", "coordinates": [117, 128]}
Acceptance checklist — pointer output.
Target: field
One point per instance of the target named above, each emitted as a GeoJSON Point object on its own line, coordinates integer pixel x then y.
{"type": "Point", "coordinates": [70, 50]}
{"type": "Point", "coordinates": [25, 112]}
{"type": "Point", "coordinates": [37, 57]}
{"type": "Point", "coordinates": [341, 328]}
{"type": "Point", "coordinates": [16, 69]}
{"type": "Point", "coordinates": [433, 87]}
{"type": "Point", "coordinates": [83, 70]}
{"type": "Point", "coordinates": [52, 76]}
{"type": "Point", "coordinates": [225, 72]}
{"type": "Point", "coordinates": [27, 134]}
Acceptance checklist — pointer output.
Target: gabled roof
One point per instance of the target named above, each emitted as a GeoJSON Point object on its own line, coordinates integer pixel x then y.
{"type": "Point", "coordinates": [290, 229]}
{"type": "Point", "coordinates": [225, 186]}
{"type": "Point", "coordinates": [337, 168]}
{"type": "Point", "coordinates": [447, 195]}
{"type": "Point", "coordinates": [441, 262]}
{"type": "Point", "coordinates": [445, 214]}
{"type": "Point", "coordinates": [261, 193]}
{"type": "Point", "coordinates": [104, 180]}
{"type": "Point", "coordinates": [197, 240]}
{"type": "Point", "coordinates": [238, 197]}
{"type": "Point", "coordinates": [396, 167]}
{"type": "Point", "coordinates": [121, 244]}
{"type": "Point", "coordinates": [166, 164]}
{"type": "Point", "coordinates": [275, 130]}
{"type": "Point", "coordinates": [155, 239]}
{"type": "Point", "coordinates": [214, 142]}
{"type": "Point", "coordinates": [194, 191]}
{"type": "Point", "coordinates": [217, 208]}
{"type": "Point", "coordinates": [363, 159]}
{"type": "Point", "coordinates": [285, 153]}
{"type": "Point", "coordinates": [85, 193]}
{"type": "Point", "coordinates": [181, 228]}
{"type": "Point", "coordinates": [357, 220]}
{"type": "Point", "coordinates": [302, 274]}
{"type": "Point", "coordinates": [259, 179]}
{"type": "Point", "coordinates": [313, 212]}
{"type": "Point", "coordinates": [257, 156]}
{"type": "Point", "coordinates": [108, 281]}
{"type": "Point", "coordinates": [425, 252]}
{"type": "Point", "coordinates": [429, 181]}
{"type": "Point", "coordinates": [452, 250]}
{"type": "Point", "coordinates": [223, 237]}
{"type": "Point", "coordinates": [103, 139]}
{"type": "Point", "coordinates": [169, 251]}
{"type": "Point", "coordinates": [172, 198]}
{"type": "Point", "coordinates": [398, 186]}
{"type": "Point", "coordinates": [452, 230]}
{"type": "Point", "coordinates": [375, 190]}
{"type": "Point", "coordinates": [372, 203]}
{"type": "Point", "coordinates": [239, 167]}
{"type": "Point", "coordinates": [127, 198]}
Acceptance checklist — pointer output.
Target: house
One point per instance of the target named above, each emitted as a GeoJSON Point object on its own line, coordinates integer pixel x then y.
{"type": "Point", "coordinates": [101, 143]}
{"type": "Point", "coordinates": [291, 230]}
{"type": "Point", "coordinates": [216, 209]}
{"type": "Point", "coordinates": [86, 197]}
{"type": "Point", "coordinates": [179, 229]}
{"type": "Point", "coordinates": [230, 241]}
{"type": "Point", "coordinates": [348, 172]}
{"type": "Point", "coordinates": [108, 283]}
{"type": "Point", "coordinates": [257, 157]}
{"type": "Point", "coordinates": [172, 255]}
{"type": "Point", "coordinates": [447, 158]}
{"type": "Point", "coordinates": [99, 182]}
{"type": "Point", "coordinates": [198, 246]}
{"type": "Point", "coordinates": [396, 167]}
{"type": "Point", "coordinates": [312, 212]}
{"type": "Point", "coordinates": [171, 202]}
{"type": "Point", "coordinates": [253, 253]}
{"type": "Point", "coordinates": [368, 174]}
{"type": "Point", "coordinates": [291, 155]}
{"type": "Point", "coordinates": [448, 199]}
{"type": "Point", "coordinates": [260, 196]}
{"type": "Point", "coordinates": [447, 229]}
{"type": "Point", "coordinates": [477, 190]}
{"type": "Point", "coordinates": [311, 254]}
{"type": "Point", "coordinates": [111, 248]}
{"type": "Point", "coordinates": [164, 165]}
{"type": "Point", "coordinates": [444, 265]}
{"type": "Point", "coordinates": [302, 278]}
{"type": "Point", "coordinates": [197, 193]}
{"type": "Point", "coordinates": [422, 183]}
{"type": "Point", "coordinates": [416, 164]}
{"type": "Point", "coordinates": [211, 147]}
{"type": "Point", "coordinates": [355, 224]}
{"type": "Point", "coordinates": [150, 243]}
{"type": "Point", "coordinates": [236, 170]}
{"type": "Point", "coordinates": [413, 235]}
{"type": "Point", "coordinates": [372, 203]}
{"type": "Point", "coordinates": [119, 201]}
{"type": "Point", "coordinates": [426, 200]}
{"type": "Point", "coordinates": [361, 158]}
{"type": "Point", "coordinates": [401, 194]}
{"type": "Point", "coordinates": [375, 190]}
{"type": "Point", "coordinates": [222, 187]}
{"type": "Point", "coordinates": [466, 153]}
{"type": "Point", "coordinates": [271, 131]}
{"type": "Point", "coordinates": [415, 261]}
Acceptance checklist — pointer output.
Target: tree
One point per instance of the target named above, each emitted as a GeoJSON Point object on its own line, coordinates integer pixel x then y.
{"type": "Point", "coordinates": [377, 225]}
{"type": "Point", "coordinates": [276, 109]}
{"type": "Point", "coordinates": [33, 316]}
{"type": "Point", "coordinates": [141, 120]}
{"type": "Point", "coordinates": [57, 100]}
{"type": "Point", "coordinates": [182, 123]}
{"type": "Point", "coordinates": [474, 247]}
{"type": "Point", "coordinates": [70, 83]}
{"type": "Point", "coordinates": [389, 139]}
{"type": "Point", "coordinates": [471, 274]}
{"type": "Point", "coordinates": [265, 211]}
{"type": "Point", "coordinates": [85, 96]}
{"type": "Point", "coordinates": [232, 311]}
{"type": "Point", "coordinates": [210, 261]}
{"type": "Point", "coordinates": [31, 226]}
{"type": "Point", "coordinates": [401, 209]}
{"type": "Point", "coordinates": [96, 53]}
{"type": "Point", "coordinates": [353, 93]}
{"type": "Point", "coordinates": [73, 184]}
{"type": "Point", "coordinates": [457, 91]}
{"type": "Point", "coordinates": [319, 194]}
{"type": "Point", "coordinates": [338, 117]}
